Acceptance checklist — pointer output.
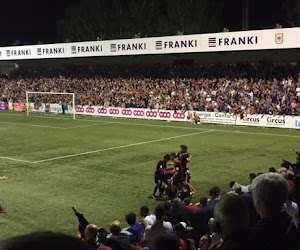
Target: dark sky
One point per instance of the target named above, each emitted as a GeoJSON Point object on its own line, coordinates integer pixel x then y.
{"type": "Point", "coordinates": [34, 20]}
{"type": "Point", "coordinates": [30, 20]}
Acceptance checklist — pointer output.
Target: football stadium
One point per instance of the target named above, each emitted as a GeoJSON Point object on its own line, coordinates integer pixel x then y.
{"type": "Point", "coordinates": [142, 125]}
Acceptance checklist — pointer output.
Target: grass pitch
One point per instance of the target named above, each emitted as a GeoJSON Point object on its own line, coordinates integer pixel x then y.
{"type": "Point", "coordinates": [105, 166]}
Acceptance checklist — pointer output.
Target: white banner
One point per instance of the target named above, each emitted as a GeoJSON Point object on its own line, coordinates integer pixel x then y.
{"type": "Point", "coordinates": [214, 117]}
{"type": "Point", "coordinates": [292, 122]}
{"type": "Point", "coordinates": [224, 41]}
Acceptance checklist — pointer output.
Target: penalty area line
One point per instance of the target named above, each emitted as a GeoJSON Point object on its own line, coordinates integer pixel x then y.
{"type": "Point", "coordinates": [118, 147]}
{"type": "Point", "coordinates": [13, 159]}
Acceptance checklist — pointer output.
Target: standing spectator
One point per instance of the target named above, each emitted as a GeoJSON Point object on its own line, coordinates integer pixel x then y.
{"type": "Point", "coordinates": [191, 209]}
{"type": "Point", "coordinates": [232, 223]}
{"type": "Point", "coordinates": [200, 220]}
{"type": "Point", "coordinates": [152, 232]}
{"type": "Point", "coordinates": [182, 231]}
{"type": "Point", "coordinates": [276, 229]}
{"type": "Point", "coordinates": [167, 241]}
{"type": "Point", "coordinates": [178, 212]}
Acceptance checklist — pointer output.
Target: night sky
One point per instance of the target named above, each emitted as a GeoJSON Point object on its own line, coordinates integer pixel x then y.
{"type": "Point", "coordinates": [35, 20]}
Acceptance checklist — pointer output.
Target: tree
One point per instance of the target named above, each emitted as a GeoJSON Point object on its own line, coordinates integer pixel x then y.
{"type": "Point", "coordinates": [111, 19]}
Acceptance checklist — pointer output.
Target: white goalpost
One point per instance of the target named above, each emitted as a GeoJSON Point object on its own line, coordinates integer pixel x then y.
{"type": "Point", "coordinates": [50, 102]}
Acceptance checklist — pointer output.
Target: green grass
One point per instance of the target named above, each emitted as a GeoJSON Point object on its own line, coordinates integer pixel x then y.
{"type": "Point", "coordinates": [105, 185]}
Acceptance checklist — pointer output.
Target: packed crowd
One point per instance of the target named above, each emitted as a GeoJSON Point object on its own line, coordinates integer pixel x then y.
{"type": "Point", "coordinates": [262, 88]}
{"type": "Point", "coordinates": [263, 214]}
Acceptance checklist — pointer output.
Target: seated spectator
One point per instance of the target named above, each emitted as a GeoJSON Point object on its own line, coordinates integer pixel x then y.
{"type": "Point", "coordinates": [233, 184]}
{"type": "Point", "coordinates": [135, 228]}
{"type": "Point", "coordinates": [290, 207]}
{"type": "Point", "coordinates": [147, 219]}
{"type": "Point", "coordinates": [152, 232]}
{"type": "Point", "coordinates": [90, 233]}
{"type": "Point", "coordinates": [94, 235]}
{"type": "Point", "coordinates": [232, 223]}
{"type": "Point", "coordinates": [167, 241]}
{"type": "Point", "coordinates": [200, 220]}
{"type": "Point", "coordinates": [214, 196]}
{"type": "Point", "coordinates": [45, 241]}
{"type": "Point", "coordinates": [117, 240]}
{"type": "Point", "coordinates": [205, 242]}
{"type": "Point", "coordinates": [276, 229]}
{"type": "Point", "coordinates": [182, 231]}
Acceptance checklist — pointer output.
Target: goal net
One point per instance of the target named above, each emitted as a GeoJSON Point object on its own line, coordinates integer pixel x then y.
{"type": "Point", "coordinates": [50, 103]}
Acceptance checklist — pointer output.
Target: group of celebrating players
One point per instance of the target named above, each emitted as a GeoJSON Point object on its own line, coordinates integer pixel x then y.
{"type": "Point", "coordinates": [172, 176]}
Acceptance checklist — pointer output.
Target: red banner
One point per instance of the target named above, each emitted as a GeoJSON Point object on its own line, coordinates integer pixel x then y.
{"type": "Point", "coordinates": [19, 107]}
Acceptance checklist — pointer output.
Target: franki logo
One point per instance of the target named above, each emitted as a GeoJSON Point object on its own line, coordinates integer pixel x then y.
{"type": "Point", "coordinates": [230, 41]}
{"type": "Point", "coordinates": [275, 121]}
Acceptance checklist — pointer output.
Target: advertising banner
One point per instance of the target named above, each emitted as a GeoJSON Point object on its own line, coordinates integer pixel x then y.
{"type": "Point", "coordinates": [19, 107]}
{"type": "Point", "coordinates": [214, 117]}
{"type": "Point", "coordinates": [4, 106]}
{"type": "Point", "coordinates": [213, 42]}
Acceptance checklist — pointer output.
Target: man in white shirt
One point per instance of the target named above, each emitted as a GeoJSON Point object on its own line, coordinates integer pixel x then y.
{"type": "Point", "coordinates": [148, 219]}
{"type": "Point", "coordinates": [290, 207]}
{"type": "Point", "coordinates": [152, 232]}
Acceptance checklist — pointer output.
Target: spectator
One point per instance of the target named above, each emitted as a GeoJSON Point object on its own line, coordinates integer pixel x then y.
{"type": "Point", "coordinates": [214, 195]}
{"type": "Point", "coordinates": [232, 222]}
{"type": "Point", "coordinates": [167, 241]}
{"type": "Point", "coordinates": [45, 241]}
{"type": "Point", "coordinates": [191, 209]}
{"type": "Point", "coordinates": [290, 207]}
{"type": "Point", "coordinates": [205, 242]}
{"type": "Point", "coordinates": [152, 232]}
{"type": "Point", "coordinates": [182, 231]}
{"type": "Point", "coordinates": [147, 220]}
{"type": "Point", "coordinates": [275, 230]}
{"type": "Point", "coordinates": [178, 212]}
{"type": "Point", "coordinates": [117, 240]}
{"type": "Point", "coordinates": [200, 220]}
{"type": "Point", "coordinates": [135, 228]}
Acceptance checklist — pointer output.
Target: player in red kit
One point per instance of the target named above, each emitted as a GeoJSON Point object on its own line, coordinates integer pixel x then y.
{"type": "Point", "coordinates": [185, 158]}
{"type": "Point", "coordinates": [159, 176]}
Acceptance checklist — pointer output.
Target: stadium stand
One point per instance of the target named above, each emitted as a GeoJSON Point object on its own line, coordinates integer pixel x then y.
{"type": "Point", "coordinates": [262, 88]}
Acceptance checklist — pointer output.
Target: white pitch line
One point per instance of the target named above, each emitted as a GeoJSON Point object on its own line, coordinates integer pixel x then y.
{"type": "Point", "coordinates": [31, 125]}
{"type": "Point", "coordinates": [90, 125]}
{"type": "Point", "coordinates": [118, 147]}
{"type": "Point", "coordinates": [13, 159]}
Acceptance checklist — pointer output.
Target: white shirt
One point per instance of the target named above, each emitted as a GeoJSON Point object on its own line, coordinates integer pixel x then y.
{"type": "Point", "coordinates": [149, 220]}
{"type": "Point", "coordinates": [298, 91]}
{"type": "Point", "coordinates": [291, 208]}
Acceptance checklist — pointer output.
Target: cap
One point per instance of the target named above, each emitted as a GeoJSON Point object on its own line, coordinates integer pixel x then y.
{"type": "Point", "coordinates": [185, 226]}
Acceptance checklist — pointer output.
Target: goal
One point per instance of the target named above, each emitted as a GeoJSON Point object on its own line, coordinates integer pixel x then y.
{"type": "Point", "coordinates": [50, 103]}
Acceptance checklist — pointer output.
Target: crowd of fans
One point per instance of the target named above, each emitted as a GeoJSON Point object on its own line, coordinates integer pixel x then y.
{"type": "Point", "coordinates": [263, 214]}
{"type": "Point", "coordinates": [261, 88]}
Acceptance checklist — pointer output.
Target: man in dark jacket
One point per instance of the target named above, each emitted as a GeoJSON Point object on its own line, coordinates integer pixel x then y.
{"type": "Point", "coordinates": [276, 229]}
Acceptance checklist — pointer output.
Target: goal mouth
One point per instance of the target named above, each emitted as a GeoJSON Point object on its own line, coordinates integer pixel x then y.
{"type": "Point", "coordinates": [50, 104]}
